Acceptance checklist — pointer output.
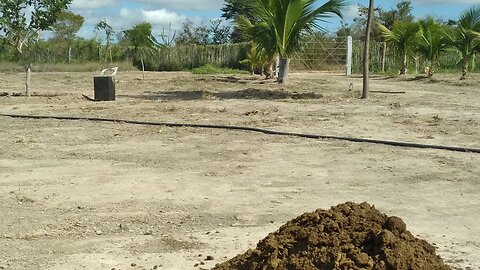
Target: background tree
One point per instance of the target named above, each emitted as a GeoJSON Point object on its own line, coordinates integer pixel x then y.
{"type": "Point", "coordinates": [230, 11]}
{"type": "Point", "coordinates": [280, 24]}
{"type": "Point", "coordinates": [402, 12]}
{"type": "Point", "coordinates": [66, 28]}
{"type": "Point", "coordinates": [193, 35]}
{"type": "Point", "coordinates": [215, 33]}
{"type": "Point", "coordinates": [466, 37]}
{"type": "Point", "coordinates": [143, 42]}
{"type": "Point", "coordinates": [21, 22]}
{"type": "Point", "coordinates": [220, 33]}
{"type": "Point", "coordinates": [105, 27]}
{"type": "Point", "coordinates": [234, 8]}
{"type": "Point", "coordinates": [67, 25]}
{"type": "Point", "coordinates": [359, 26]}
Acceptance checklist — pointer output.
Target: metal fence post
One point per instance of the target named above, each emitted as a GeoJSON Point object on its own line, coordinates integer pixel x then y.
{"type": "Point", "coordinates": [349, 55]}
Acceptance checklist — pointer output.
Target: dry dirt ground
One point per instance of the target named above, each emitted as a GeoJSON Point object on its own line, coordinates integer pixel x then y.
{"type": "Point", "coordinates": [92, 195]}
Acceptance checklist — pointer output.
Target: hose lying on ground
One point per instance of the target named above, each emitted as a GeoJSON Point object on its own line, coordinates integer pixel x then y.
{"type": "Point", "coordinates": [253, 129]}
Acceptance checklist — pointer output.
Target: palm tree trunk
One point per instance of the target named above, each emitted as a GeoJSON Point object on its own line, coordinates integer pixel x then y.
{"type": "Point", "coordinates": [27, 79]}
{"type": "Point", "coordinates": [366, 51]}
{"type": "Point", "coordinates": [283, 70]}
{"type": "Point", "coordinates": [429, 69]}
{"type": "Point", "coordinates": [473, 66]}
{"type": "Point", "coordinates": [403, 69]}
{"type": "Point", "coordinates": [465, 68]}
{"type": "Point", "coordinates": [143, 67]}
{"type": "Point", "coordinates": [268, 70]}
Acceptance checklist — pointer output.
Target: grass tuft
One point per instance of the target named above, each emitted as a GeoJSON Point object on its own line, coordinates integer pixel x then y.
{"type": "Point", "coordinates": [211, 69]}
{"type": "Point", "coordinates": [70, 67]}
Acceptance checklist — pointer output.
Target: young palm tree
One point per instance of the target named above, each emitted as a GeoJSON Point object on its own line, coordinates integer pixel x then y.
{"type": "Point", "coordinates": [402, 39]}
{"type": "Point", "coordinates": [280, 23]}
{"type": "Point", "coordinates": [431, 41]}
{"type": "Point", "coordinates": [256, 58]}
{"type": "Point", "coordinates": [264, 42]}
{"type": "Point", "coordinates": [466, 37]}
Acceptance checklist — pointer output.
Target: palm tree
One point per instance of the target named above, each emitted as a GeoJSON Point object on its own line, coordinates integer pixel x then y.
{"type": "Point", "coordinates": [402, 39]}
{"type": "Point", "coordinates": [431, 41]}
{"type": "Point", "coordinates": [264, 42]}
{"type": "Point", "coordinates": [466, 37]}
{"type": "Point", "coordinates": [279, 25]}
{"type": "Point", "coordinates": [256, 58]}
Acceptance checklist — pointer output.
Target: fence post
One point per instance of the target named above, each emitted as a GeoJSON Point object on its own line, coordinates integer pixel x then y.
{"type": "Point", "coordinates": [349, 55]}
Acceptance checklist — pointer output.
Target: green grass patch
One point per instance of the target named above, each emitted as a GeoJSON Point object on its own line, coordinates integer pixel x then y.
{"type": "Point", "coordinates": [211, 69]}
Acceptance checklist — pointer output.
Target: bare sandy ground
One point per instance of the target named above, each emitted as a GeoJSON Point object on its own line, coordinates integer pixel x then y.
{"type": "Point", "coordinates": [90, 195]}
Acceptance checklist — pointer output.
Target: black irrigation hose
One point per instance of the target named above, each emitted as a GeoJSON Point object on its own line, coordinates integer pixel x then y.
{"type": "Point", "coordinates": [253, 129]}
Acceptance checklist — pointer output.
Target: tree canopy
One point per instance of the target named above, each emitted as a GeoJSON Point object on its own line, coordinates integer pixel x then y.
{"type": "Point", "coordinates": [143, 42]}
{"type": "Point", "coordinates": [67, 25]}
{"type": "Point", "coordinates": [141, 35]}
{"type": "Point", "coordinates": [22, 20]}
{"type": "Point", "coordinates": [388, 18]}
{"type": "Point", "coordinates": [215, 33]}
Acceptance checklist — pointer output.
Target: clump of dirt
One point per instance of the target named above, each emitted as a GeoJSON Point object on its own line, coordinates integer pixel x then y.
{"type": "Point", "coordinates": [348, 236]}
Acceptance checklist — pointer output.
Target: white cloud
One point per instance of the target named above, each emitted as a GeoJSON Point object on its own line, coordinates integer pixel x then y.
{"type": "Point", "coordinates": [163, 17]}
{"type": "Point", "coordinates": [91, 4]}
{"type": "Point", "coordinates": [350, 12]}
{"type": "Point", "coordinates": [437, 2]}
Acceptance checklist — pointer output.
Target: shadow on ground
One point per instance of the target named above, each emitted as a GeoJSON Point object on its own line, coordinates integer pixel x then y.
{"type": "Point", "coordinates": [248, 93]}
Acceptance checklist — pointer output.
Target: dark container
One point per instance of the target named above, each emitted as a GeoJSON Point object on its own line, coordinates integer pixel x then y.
{"type": "Point", "coordinates": [104, 88]}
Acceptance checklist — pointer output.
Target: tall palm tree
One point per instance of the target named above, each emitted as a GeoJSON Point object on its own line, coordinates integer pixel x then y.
{"type": "Point", "coordinates": [466, 37]}
{"type": "Point", "coordinates": [431, 41]}
{"type": "Point", "coordinates": [279, 25]}
{"type": "Point", "coordinates": [402, 39]}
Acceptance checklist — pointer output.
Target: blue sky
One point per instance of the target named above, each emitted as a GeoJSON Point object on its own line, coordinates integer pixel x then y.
{"type": "Point", "coordinates": [123, 14]}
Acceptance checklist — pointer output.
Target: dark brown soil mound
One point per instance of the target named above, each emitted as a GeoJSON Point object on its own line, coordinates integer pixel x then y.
{"type": "Point", "coordinates": [348, 236]}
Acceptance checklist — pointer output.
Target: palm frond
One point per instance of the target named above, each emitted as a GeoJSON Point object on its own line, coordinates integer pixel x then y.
{"type": "Point", "coordinates": [431, 39]}
{"type": "Point", "coordinates": [280, 23]}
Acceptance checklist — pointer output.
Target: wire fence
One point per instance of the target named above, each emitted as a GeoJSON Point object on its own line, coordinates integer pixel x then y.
{"type": "Point", "coordinates": [327, 54]}
{"type": "Point", "coordinates": [321, 55]}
